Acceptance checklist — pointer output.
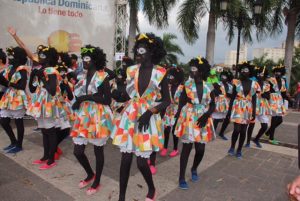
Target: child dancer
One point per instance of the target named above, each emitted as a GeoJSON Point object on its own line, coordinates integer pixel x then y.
{"type": "Point", "coordinates": [194, 126]}
{"type": "Point", "coordinates": [175, 77]}
{"type": "Point", "coordinates": [93, 122]}
{"type": "Point", "coordinates": [14, 102]}
{"type": "Point", "coordinates": [262, 106]}
{"type": "Point", "coordinates": [2, 67]}
{"type": "Point", "coordinates": [46, 106]}
{"type": "Point", "coordinates": [140, 129]}
{"type": "Point", "coordinates": [223, 95]}
{"type": "Point", "coordinates": [242, 107]}
{"type": "Point", "coordinates": [277, 96]}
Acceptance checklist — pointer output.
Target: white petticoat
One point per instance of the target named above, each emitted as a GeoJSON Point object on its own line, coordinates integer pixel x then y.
{"type": "Point", "coordinates": [84, 141]}
{"type": "Point", "coordinates": [51, 122]}
{"type": "Point", "coordinates": [143, 154]}
{"type": "Point", "coordinates": [12, 114]}
{"type": "Point", "coordinates": [263, 119]}
{"type": "Point", "coordinates": [218, 115]}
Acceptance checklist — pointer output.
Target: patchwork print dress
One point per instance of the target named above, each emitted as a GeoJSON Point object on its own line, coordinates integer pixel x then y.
{"type": "Point", "coordinates": [186, 127]}
{"type": "Point", "coordinates": [43, 105]}
{"type": "Point", "coordinates": [222, 102]}
{"type": "Point", "coordinates": [276, 101]}
{"type": "Point", "coordinates": [14, 102]}
{"type": "Point", "coordinates": [93, 121]}
{"type": "Point", "coordinates": [242, 105]}
{"type": "Point", "coordinates": [125, 133]}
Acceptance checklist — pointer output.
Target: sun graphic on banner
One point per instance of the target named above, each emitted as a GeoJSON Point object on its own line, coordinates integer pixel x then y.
{"type": "Point", "coordinates": [64, 41]}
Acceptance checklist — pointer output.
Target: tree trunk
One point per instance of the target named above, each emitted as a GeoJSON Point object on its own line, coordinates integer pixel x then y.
{"type": "Point", "coordinates": [289, 44]}
{"type": "Point", "coordinates": [211, 38]}
{"type": "Point", "coordinates": [132, 28]}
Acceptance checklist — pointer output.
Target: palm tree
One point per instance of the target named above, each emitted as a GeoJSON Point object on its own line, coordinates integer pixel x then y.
{"type": "Point", "coordinates": [190, 14]}
{"type": "Point", "coordinates": [156, 12]}
{"type": "Point", "coordinates": [172, 49]}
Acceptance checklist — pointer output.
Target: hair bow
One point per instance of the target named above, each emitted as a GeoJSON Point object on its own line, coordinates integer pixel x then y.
{"type": "Point", "coordinates": [144, 36]}
{"type": "Point", "coordinates": [85, 50]}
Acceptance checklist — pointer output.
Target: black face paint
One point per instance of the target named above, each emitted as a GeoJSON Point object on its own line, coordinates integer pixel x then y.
{"type": "Point", "coordinates": [142, 53]}
{"type": "Point", "coordinates": [86, 62]}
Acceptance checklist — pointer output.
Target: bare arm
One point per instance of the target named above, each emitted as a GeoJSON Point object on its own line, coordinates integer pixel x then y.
{"type": "Point", "coordinates": [13, 33]}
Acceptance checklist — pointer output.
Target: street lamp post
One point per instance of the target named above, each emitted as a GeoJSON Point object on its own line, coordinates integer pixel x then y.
{"type": "Point", "coordinates": [239, 24]}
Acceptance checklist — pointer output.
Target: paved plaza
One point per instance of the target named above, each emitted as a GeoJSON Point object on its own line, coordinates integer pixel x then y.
{"type": "Point", "coordinates": [261, 175]}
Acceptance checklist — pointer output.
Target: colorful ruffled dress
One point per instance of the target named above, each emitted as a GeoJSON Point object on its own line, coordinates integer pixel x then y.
{"type": "Point", "coordinates": [93, 121]}
{"type": "Point", "coordinates": [169, 117]}
{"type": "Point", "coordinates": [276, 101]}
{"type": "Point", "coordinates": [48, 110]}
{"type": "Point", "coordinates": [262, 105]}
{"type": "Point", "coordinates": [222, 102]}
{"type": "Point", "coordinates": [125, 133]}
{"type": "Point", "coordinates": [14, 102]}
{"type": "Point", "coordinates": [242, 105]}
{"type": "Point", "coordinates": [186, 127]}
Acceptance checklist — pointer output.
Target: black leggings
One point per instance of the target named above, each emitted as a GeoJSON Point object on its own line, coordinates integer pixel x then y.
{"type": "Point", "coordinates": [184, 157]}
{"type": "Point", "coordinates": [224, 126]}
{"type": "Point", "coordinates": [262, 130]}
{"type": "Point", "coordinates": [125, 171]}
{"type": "Point", "coordinates": [153, 158]}
{"type": "Point", "coordinates": [49, 143]}
{"type": "Point", "coordinates": [275, 122]}
{"type": "Point", "coordinates": [62, 134]}
{"type": "Point", "coordinates": [239, 130]}
{"type": "Point", "coordinates": [5, 122]}
{"type": "Point", "coordinates": [216, 122]}
{"type": "Point", "coordinates": [167, 135]}
{"type": "Point", "coordinates": [83, 160]}
{"type": "Point", "coordinates": [249, 132]}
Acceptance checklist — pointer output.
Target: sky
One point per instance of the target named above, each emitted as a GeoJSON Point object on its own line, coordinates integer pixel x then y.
{"type": "Point", "coordinates": [198, 48]}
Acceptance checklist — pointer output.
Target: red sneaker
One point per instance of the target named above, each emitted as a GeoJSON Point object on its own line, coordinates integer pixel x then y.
{"type": "Point", "coordinates": [153, 199]}
{"type": "Point", "coordinates": [92, 191]}
{"type": "Point", "coordinates": [83, 184]}
{"type": "Point", "coordinates": [174, 153]}
{"type": "Point", "coordinates": [56, 156]}
{"type": "Point", "coordinates": [39, 162]}
{"type": "Point", "coordinates": [46, 166]}
{"type": "Point", "coordinates": [164, 152]}
{"type": "Point", "coordinates": [59, 151]}
{"type": "Point", "coordinates": [153, 169]}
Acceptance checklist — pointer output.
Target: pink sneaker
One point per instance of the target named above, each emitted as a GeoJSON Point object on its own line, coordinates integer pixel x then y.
{"type": "Point", "coordinates": [163, 152]}
{"type": "Point", "coordinates": [92, 191]}
{"type": "Point", "coordinates": [154, 198]}
{"type": "Point", "coordinates": [39, 162]}
{"type": "Point", "coordinates": [46, 166]}
{"type": "Point", "coordinates": [153, 169]}
{"type": "Point", "coordinates": [83, 184]}
{"type": "Point", "coordinates": [174, 153]}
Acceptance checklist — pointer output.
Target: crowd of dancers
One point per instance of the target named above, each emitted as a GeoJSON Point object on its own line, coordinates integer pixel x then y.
{"type": "Point", "coordinates": [139, 106]}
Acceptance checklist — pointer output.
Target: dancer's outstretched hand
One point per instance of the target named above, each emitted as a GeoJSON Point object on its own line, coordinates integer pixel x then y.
{"type": "Point", "coordinates": [12, 31]}
{"type": "Point", "coordinates": [144, 120]}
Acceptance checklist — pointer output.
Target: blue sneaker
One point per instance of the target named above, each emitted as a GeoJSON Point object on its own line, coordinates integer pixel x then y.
{"type": "Point", "coordinates": [231, 152]}
{"type": "Point", "coordinates": [223, 137]}
{"type": "Point", "coordinates": [247, 145]}
{"type": "Point", "coordinates": [195, 176]}
{"type": "Point", "coordinates": [14, 150]}
{"type": "Point", "coordinates": [239, 155]}
{"type": "Point", "coordinates": [9, 147]}
{"type": "Point", "coordinates": [257, 144]}
{"type": "Point", "coordinates": [183, 185]}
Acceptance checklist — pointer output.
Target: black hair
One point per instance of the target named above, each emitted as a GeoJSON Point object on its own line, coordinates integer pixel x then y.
{"type": "Point", "coordinates": [2, 56]}
{"type": "Point", "coordinates": [51, 54]}
{"type": "Point", "coordinates": [65, 59]}
{"type": "Point", "coordinates": [97, 55]}
{"type": "Point", "coordinates": [260, 69]}
{"type": "Point", "coordinates": [19, 54]}
{"type": "Point", "coordinates": [74, 56]}
{"type": "Point", "coordinates": [228, 74]}
{"type": "Point", "coordinates": [155, 45]}
{"type": "Point", "coordinates": [202, 65]}
{"type": "Point", "coordinates": [177, 73]}
{"type": "Point", "coordinates": [72, 75]}
{"type": "Point", "coordinates": [279, 69]}
{"type": "Point", "coordinates": [246, 65]}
